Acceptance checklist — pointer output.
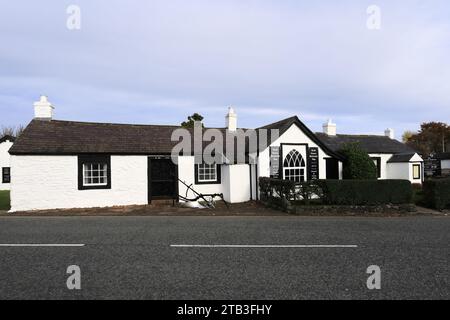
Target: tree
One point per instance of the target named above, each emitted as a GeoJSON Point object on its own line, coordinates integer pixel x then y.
{"type": "Point", "coordinates": [407, 135]}
{"type": "Point", "coordinates": [11, 131]}
{"type": "Point", "coordinates": [357, 165]}
{"type": "Point", "coordinates": [191, 120]}
{"type": "Point", "coordinates": [433, 137]}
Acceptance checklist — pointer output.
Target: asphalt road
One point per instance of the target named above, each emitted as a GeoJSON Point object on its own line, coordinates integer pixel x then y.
{"type": "Point", "coordinates": [132, 258]}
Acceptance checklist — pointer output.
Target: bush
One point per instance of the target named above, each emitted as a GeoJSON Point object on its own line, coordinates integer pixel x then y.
{"type": "Point", "coordinates": [366, 192]}
{"type": "Point", "coordinates": [436, 193]}
{"type": "Point", "coordinates": [357, 164]}
{"type": "Point", "coordinates": [289, 190]}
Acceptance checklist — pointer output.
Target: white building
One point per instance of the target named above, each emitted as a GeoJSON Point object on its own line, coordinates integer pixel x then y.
{"type": "Point", "coordinates": [6, 143]}
{"type": "Point", "coordinates": [66, 164]}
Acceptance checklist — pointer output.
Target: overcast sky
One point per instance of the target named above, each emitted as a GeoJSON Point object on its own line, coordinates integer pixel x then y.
{"type": "Point", "coordinates": [156, 62]}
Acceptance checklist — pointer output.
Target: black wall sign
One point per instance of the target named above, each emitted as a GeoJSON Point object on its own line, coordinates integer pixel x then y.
{"type": "Point", "coordinates": [313, 163]}
{"type": "Point", "coordinates": [275, 162]}
{"type": "Point", "coordinates": [432, 167]}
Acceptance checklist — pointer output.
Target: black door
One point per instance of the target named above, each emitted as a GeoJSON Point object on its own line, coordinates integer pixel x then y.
{"type": "Point", "coordinates": [162, 179]}
{"type": "Point", "coordinates": [332, 169]}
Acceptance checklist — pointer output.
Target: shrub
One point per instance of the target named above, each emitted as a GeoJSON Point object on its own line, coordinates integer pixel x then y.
{"type": "Point", "coordinates": [366, 192]}
{"type": "Point", "coordinates": [436, 193]}
{"type": "Point", "coordinates": [357, 164]}
{"type": "Point", "coordinates": [290, 190]}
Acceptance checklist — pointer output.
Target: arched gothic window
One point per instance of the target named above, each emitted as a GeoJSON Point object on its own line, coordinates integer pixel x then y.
{"type": "Point", "coordinates": [294, 167]}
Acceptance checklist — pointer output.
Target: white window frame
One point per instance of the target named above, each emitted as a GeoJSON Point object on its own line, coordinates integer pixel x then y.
{"type": "Point", "coordinates": [89, 168]}
{"type": "Point", "coordinates": [212, 172]}
{"type": "Point", "coordinates": [302, 168]}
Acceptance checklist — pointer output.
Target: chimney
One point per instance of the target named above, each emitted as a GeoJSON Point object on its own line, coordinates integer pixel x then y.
{"type": "Point", "coordinates": [389, 133]}
{"type": "Point", "coordinates": [43, 110]}
{"type": "Point", "coordinates": [231, 120]}
{"type": "Point", "coordinates": [329, 128]}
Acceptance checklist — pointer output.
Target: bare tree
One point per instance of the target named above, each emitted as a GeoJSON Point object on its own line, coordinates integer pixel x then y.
{"type": "Point", "coordinates": [11, 131]}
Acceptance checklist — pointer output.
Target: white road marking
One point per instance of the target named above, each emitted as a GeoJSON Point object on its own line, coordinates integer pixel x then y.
{"type": "Point", "coordinates": [40, 245]}
{"type": "Point", "coordinates": [260, 246]}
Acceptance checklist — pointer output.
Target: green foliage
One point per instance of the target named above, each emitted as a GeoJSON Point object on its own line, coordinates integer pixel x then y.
{"type": "Point", "coordinates": [289, 190]}
{"type": "Point", "coordinates": [191, 120]}
{"type": "Point", "coordinates": [366, 192]}
{"type": "Point", "coordinates": [4, 200]}
{"type": "Point", "coordinates": [358, 165]}
{"type": "Point", "coordinates": [436, 193]}
{"type": "Point", "coordinates": [276, 188]}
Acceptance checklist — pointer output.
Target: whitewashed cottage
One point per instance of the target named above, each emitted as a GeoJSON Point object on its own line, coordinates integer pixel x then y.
{"type": "Point", "coordinates": [68, 164]}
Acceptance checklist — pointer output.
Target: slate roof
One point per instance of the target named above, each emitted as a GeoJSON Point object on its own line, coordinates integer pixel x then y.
{"type": "Point", "coordinates": [7, 137]}
{"type": "Point", "coordinates": [285, 124]}
{"type": "Point", "coordinates": [370, 143]}
{"type": "Point", "coordinates": [401, 157]}
{"type": "Point", "coordinates": [57, 137]}
{"type": "Point", "coordinates": [67, 137]}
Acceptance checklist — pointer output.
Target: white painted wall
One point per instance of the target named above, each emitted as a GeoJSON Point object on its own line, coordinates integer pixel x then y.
{"type": "Point", "coordinates": [384, 163]}
{"type": "Point", "coordinates": [186, 173]}
{"type": "Point", "coordinates": [51, 182]}
{"type": "Point", "coordinates": [398, 170]}
{"type": "Point", "coordinates": [292, 135]}
{"type": "Point", "coordinates": [237, 183]}
{"type": "Point", "coordinates": [5, 161]}
{"type": "Point", "coordinates": [404, 170]}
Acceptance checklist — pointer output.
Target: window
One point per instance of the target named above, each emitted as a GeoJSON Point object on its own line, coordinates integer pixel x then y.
{"type": "Point", "coordinates": [416, 171]}
{"type": "Point", "coordinates": [6, 175]}
{"type": "Point", "coordinates": [377, 162]}
{"type": "Point", "coordinates": [94, 172]}
{"type": "Point", "coordinates": [207, 174]}
{"type": "Point", "coordinates": [294, 167]}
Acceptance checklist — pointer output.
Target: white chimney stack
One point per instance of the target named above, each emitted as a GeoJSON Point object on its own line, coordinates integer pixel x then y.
{"type": "Point", "coordinates": [231, 120]}
{"type": "Point", "coordinates": [329, 128]}
{"type": "Point", "coordinates": [43, 109]}
{"type": "Point", "coordinates": [389, 133]}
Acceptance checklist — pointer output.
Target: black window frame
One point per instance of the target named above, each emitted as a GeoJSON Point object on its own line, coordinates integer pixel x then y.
{"type": "Point", "coordinates": [218, 175]}
{"type": "Point", "coordinates": [86, 159]}
{"type": "Point", "coordinates": [378, 160]}
{"type": "Point", "coordinates": [420, 171]}
{"type": "Point", "coordinates": [4, 175]}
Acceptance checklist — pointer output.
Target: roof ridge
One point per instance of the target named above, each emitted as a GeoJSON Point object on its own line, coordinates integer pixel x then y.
{"type": "Point", "coordinates": [278, 122]}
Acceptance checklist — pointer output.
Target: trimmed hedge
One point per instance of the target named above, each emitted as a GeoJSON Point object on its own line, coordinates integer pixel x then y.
{"type": "Point", "coordinates": [436, 193]}
{"type": "Point", "coordinates": [338, 192]}
{"type": "Point", "coordinates": [366, 192]}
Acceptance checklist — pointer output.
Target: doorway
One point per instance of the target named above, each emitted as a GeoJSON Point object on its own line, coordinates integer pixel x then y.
{"type": "Point", "coordinates": [162, 179]}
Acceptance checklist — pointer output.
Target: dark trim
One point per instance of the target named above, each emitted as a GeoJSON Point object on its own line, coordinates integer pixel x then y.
{"type": "Point", "coordinates": [82, 159]}
{"type": "Point", "coordinates": [420, 171]}
{"type": "Point", "coordinates": [7, 137]}
{"type": "Point", "coordinates": [314, 138]}
{"type": "Point", "coordinates": [149, 180]}
{"type": "Point", "coordinates": [218, 175]}
{"type": "Point", "coordinates": [150, 197]}
{"type": "Point", "coordinates": [257, 182]}
{"type": "Point", "coordinates": [251, 182]}
{"type": "Point", "coordinates": [378, 159]}
{"type": "Point", "coordinates": [15, 153]}
{"type": "Point", "coordinates": [6, 178]}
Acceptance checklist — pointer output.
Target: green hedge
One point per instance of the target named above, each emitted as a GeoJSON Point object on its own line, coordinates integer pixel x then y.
{"type": "Point", "coordinates": [366, 192]}
{"type": "Point", "coordinates": [436, 193]}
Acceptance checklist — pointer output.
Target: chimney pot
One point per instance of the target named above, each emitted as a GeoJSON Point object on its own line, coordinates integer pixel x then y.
{"type": "Point", "coordinates": [43, 109]}
{"type": "Point", "coordinates": [329, 128]}
{"type": "Point", "coordinates": [231, 120]}
{"type": "Point", "coordinates": [390, 133]}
